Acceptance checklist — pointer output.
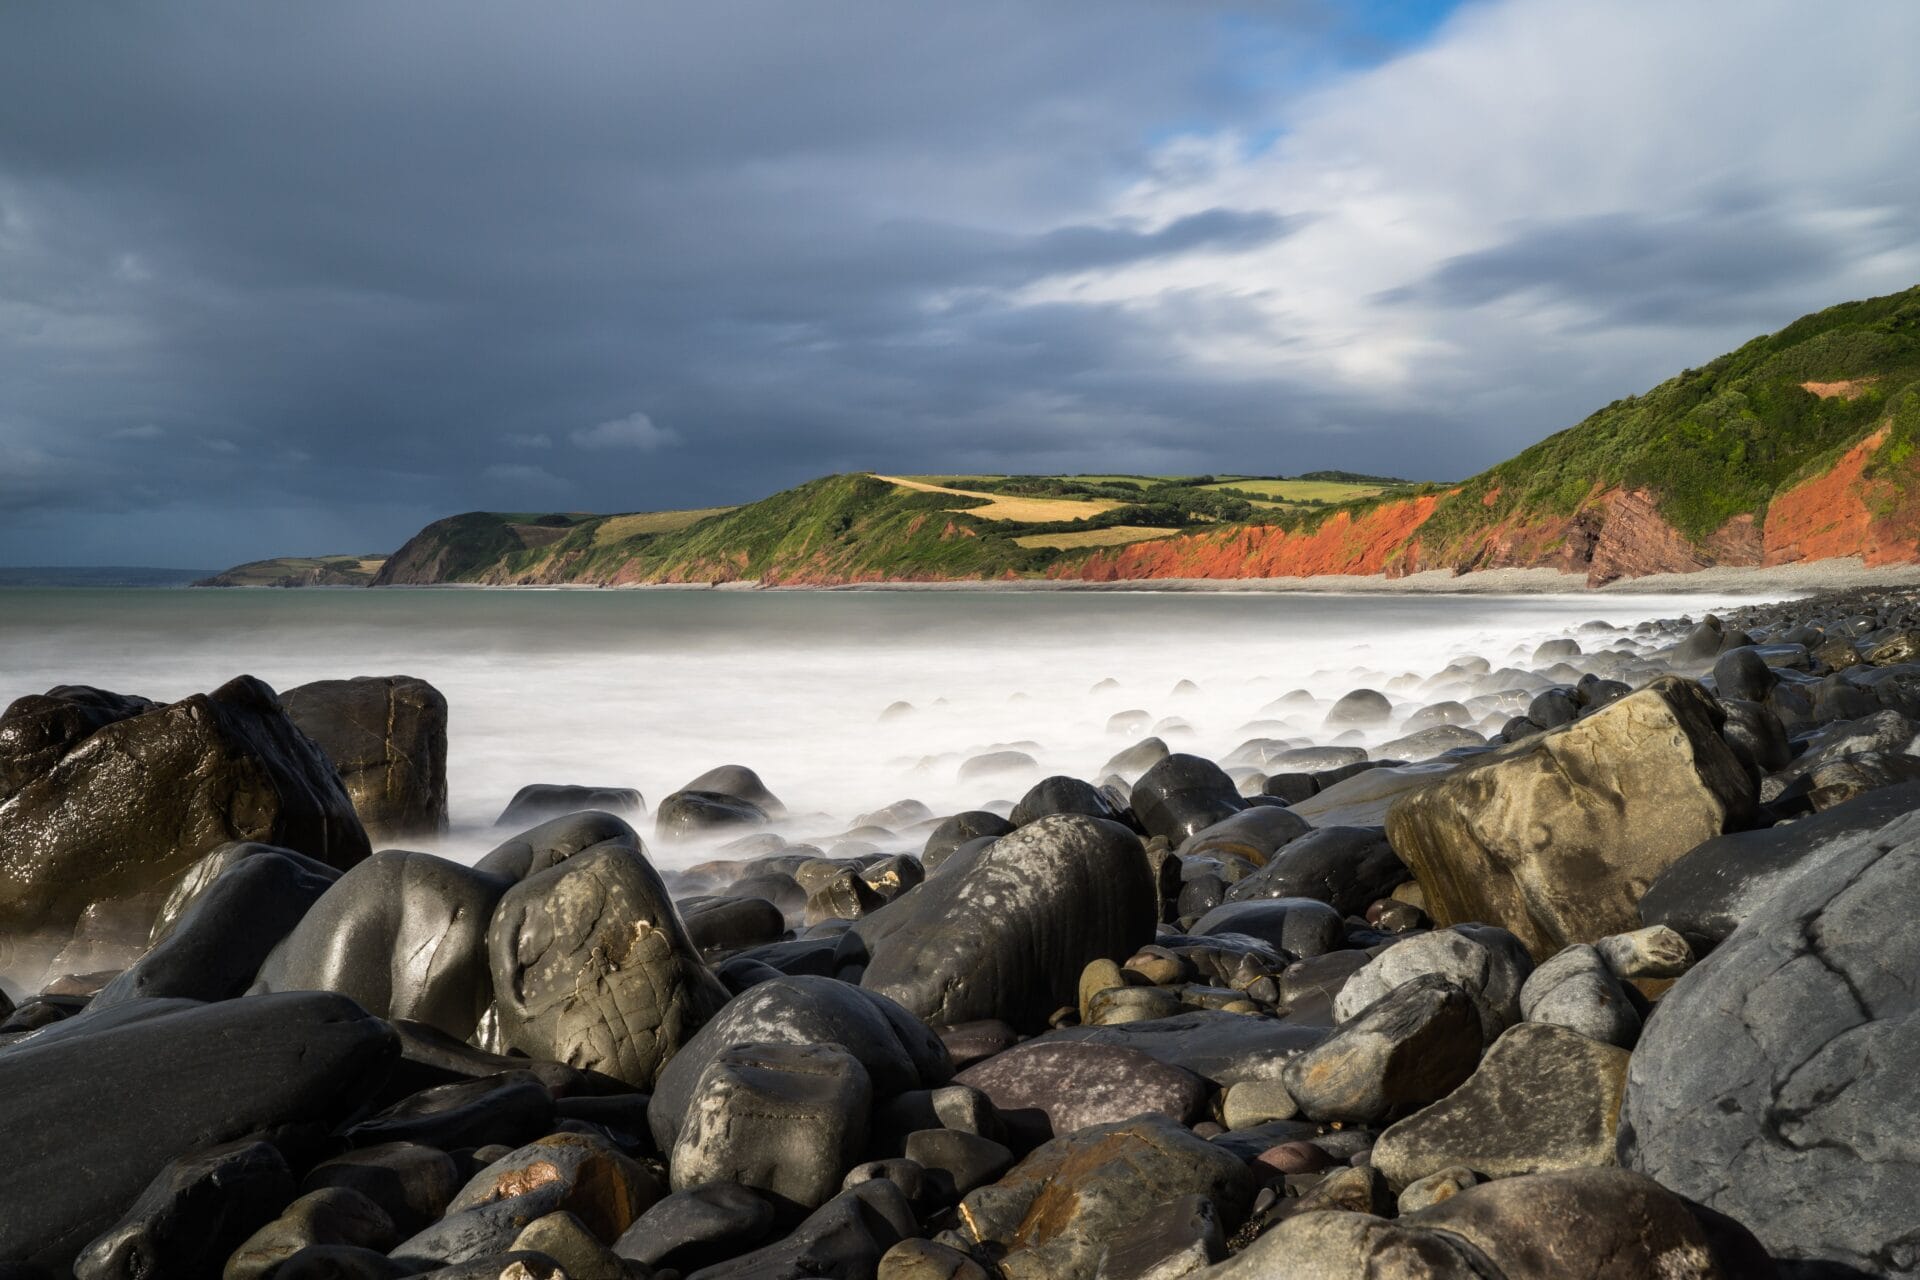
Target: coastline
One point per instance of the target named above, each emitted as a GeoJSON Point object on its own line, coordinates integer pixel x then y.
{"type": "Point", "coordinates": [1805, 578]}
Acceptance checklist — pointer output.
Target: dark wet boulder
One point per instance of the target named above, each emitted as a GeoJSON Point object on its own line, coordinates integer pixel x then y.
{"type": "Point", "coordinates": [996, 764]}
{"type": "Point", "coordinates": [1362, 708]}
{"type": "Point", "coordinates": [1767, 1082]}
{"type": "Point", "coordinates": [785, 1119]}
{"type": "Point", "coordinates": [214, 948]}
{"type": "Point", "coordinates": [1134, 760]}
{"type": "Point", "coordinates": [960, 829]}
{"type": "Point", "coordinates": [1707, 894]}
{"type": "Point", "coordinates": [1061, 794]}
{"type": "Point", "coordinates": [110, 798]}
{"type": "Point", "coordinates": [1055, 1212]}
{"type": "Point", "coordinates": [1556, 838]}
{"type": "Point", "coordinates": [686, 815]}
{"type": "Point", "coordinates": [410, 1181]}
{"type": "Point", "coordinates": [508, 1107]}
{"type": "Point", "coordinates": [1221, 1048]}
{"type": "Point", "coordinates": [545, 802]}
{"type": "Point", "coordinates": [1293, 926]}
{"type": "Point", "coordinates": [192, 1215]}
{"type": "Point", "coordinates": [180, 1082]}
{"type": "Point", "coordinates": [328, 1217]}
{"type": "Point", "coordinates": [1742, 673]}
{"type": "Point", "coordinates": [404, 934]}
{"type": "Point", "coordinates": [1756, 735]}
{"type": "Point", "coordinates": [1346, 867]}
{"type": "Point", "coordinates": [732, 924]}
{"type": "Point", "coordinates": [898, 1051]}
{"type": "Point", "coordinates": [698, 1227]}
{"type": "Point", "coordinates": [741, 783]}
{"type": "Point", "coordinates": [843, 1239]}
{"type": "Point", "coordinates": [1184, 794]}
{"type": "Point", "coordinates": [1410, 1048]}
{"type": "Point", "coordinates": [554, 841]}
{"type": "Point", "coordinates": [387, 735]}
{"type": "Point", "coordinates": [1256, 835]}
{"type": "Point", "coordinates": [1489, 964]}
{"type": "Point", "coordinates": [1047, 1087]}
{"type": "Point", "coordinates": [592, 966]}
{"type": "Point", "coordinates": [1007, 935]}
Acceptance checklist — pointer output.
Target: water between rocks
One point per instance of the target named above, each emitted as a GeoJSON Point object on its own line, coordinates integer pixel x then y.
{"type": "Point", "coordinates": [649, 688]}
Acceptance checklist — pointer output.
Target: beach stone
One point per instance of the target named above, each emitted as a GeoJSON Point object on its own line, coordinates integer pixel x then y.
{"type": "Point", "coordinates": [961, 828]}
{"type": "Point", "coordinates": [205, 873]}
{"type": "Point", "coordinates": [696, 1227]}
{"type": "Point", "coordinates": [107, 798]}
{"type": "Point", "coordinates": [1756, 735]}
{"type": "Point", "coordinates": [1345, 867]}
{"type": "Point", "coordinates": [563, 1172]}
{"type": "Point", "coordinates": [1255, 835]}
{"type": "Point", "coordinates": [1007, 935]}
{"type": "Point", "coordinates": [1364, 798]}
{"type": "Point", "coordinates": [927, 1260]}
{"type": "Point", "coordinates": [544, 803]}
{"type": "Point", "coordinates": [1424, 1193]}
{"type": "Point", "coordinates": [1721, 882]}
{"type": "Point", "coordinates": [1295, 926]}
{"type": "Point", "coordinates": [410, 1181]}
{"type": "Point", "coordinates": [1362, 708]}
{"type": "Point", "coordinates": [1256, 1102]}
{"type": "Point", "coordinates": [1135, 759]}
{"type": "Point", "coordinates": [687, 815]}
{"type": "Point", "coordinates": [1183, 794]}
{"type": "Point", "coordinates": [213, 948]}
{"type": "Point", "coordinates": [387, 735]}
{"type": "Point", "coordinates": [1555, 839]}
{"type": "Point", "coordinates": [564, 1238]}
{"type": "Point", "coordinates": [593, 967]}
{"type": "Point", "coordinates": [898, 1051]}
{"type": "Point", "coordinates": [1061, 794]}
{"type": "Point", "coordinates": [1542, 1098]}
{"type": "Point", "coordinates": [1046, 1087]}
{"type": "Point", "coordinates": [1055, 1212]}
{"type": "Point", "coordinates": [785, 1119]}
{"type": "Point", "coordinates": [1577, 990]}
{"type": "Point", "coordinates": [958, 1161]}
{"type": "Point", "coordinates": [554, 841]}
{"type": "Point", "coordinates": [1608, 1224]}
{"type": "Point", "coordinates": [1221, 1048]}
{"type": "Point", "coordinates": [1174, 1239]}
{"type": "Point", "coordinates": [1765, 1084]}
{"type": "Point", "coordinates": [181, 1081]}
{"type": "Point", "coordinates": [192, 1214]}
{"type": "Point", "coordinates": [732, 924]}
{"type": "Point", "coordinates": [340, 1262]}
{"type": "Point", "coordinates": [993, 764]}
{"type": "Point", "coordinates": [1431, 742]}
{"type": "Point", "coordinates": [507, 1107]}
{"type": "Point", "coordinates": [741, 783]}
{"type": "Point", "coordinates": [1488, 963]}
{"type": "Point", "coordinates": [331, 1216]}
{"type": "Point", "coordinates": [1653, 952]}
{"type": "Point", "coordinates": [404, 934]}
{"type": "Point", "coordinates": [1407, 1049]}
{"type": "Point", "coordinates": [845, 1237]}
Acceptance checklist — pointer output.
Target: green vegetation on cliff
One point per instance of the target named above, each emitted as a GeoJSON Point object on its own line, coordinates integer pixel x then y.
{"type": "Point", "coordinates": [299, 571]}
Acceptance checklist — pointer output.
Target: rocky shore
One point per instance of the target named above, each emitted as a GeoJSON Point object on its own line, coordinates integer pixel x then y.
{"type": "Point", "coordinates": [1594, 964]}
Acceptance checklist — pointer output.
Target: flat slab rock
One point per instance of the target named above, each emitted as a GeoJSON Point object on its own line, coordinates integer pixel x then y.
{"type": "Point", "coordinates": [1054, 1087]}
{"type": "Point", "coordinates": [1219, 1047]}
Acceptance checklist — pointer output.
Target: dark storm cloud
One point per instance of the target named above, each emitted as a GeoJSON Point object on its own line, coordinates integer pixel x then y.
{"type": "Point", "coordinates": [264, 266]}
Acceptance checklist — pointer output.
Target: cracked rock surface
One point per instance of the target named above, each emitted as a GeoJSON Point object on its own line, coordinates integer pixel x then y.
{"type": "Point", "coordinates": [1777, 1081]}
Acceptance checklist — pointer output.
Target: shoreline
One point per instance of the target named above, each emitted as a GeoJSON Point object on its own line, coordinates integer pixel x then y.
{"type": "Point", "coordinates": [1790, 580]}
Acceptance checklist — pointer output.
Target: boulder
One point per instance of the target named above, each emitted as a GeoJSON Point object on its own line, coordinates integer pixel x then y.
{"type": "Point", "coordinates": [897, 1050]}
{"type": "Point", "coordinates": [410, 1181]}
{"type": "Point", "coordinates": [1556, 838]}
{"type": "Point", "coordinates": [688, 815]}
{"type": "Point", "coordinates": [960, 829]}
{"type": "Point", "coordinates": [404, 934]}
{"type": "Point", "coordinates": [106, 798]}
{"type": "Point", "coordinates": [212, 950]}
{"type": "Point", "coordinates": [387, 735]}
{"type": "Point", "coordinates": [1295, 926]}
{"type": "Point", "coordinates": [844, 1239]}
{"type": "Point", "coordinates": [180, 1082]}
{"type": "Point", "coordinates": [1362, 708]}
{"type": "Point", "coordinates": [1767, 1084]}
{"type": "Point", "coordinates": [1542, 1098]}
{"type": "Point", "coordinates": [506, 1108]}
{"type": "Point", "coordinates": [741, 783]}
{"type": "Point", "coordinates": [1348, 868]}
{"type": "Point", "coordinates": [1006, 935]}
{"type": "Point", "coordinates": [1708, 892]}
{"type": "Point", "coordinates": [547, 802]}
{"type": "Point", "coordinates": [1488, 963]}
{"type": "Point", "coordinates": [1054, 1214]}
{"type": "Point", "coordinates": [1607, 1224]}
{"type": "Point", "coordinates": [330, 1216]}
{"type": "Point", "coordinates": [1044, 1088]}
{"type": "Point", "coordinates": [1255, 835]}
{"type": "Point", "coordinates": [1577, 990]}
{"type": "Point", "coordinates": [1183, 794]}
{"type": "Point", "coordinates": [785, 1119]}
{"type": "Point", "coordinates": [554, 841]}
{"type": "Point", "coordinates": [593, 967]}
{"type": "Point", "coordinates": [1409, 1048]}
{"type": "Point", "coordinates": [1061, 794]}
{"type": "Point", "coordinates": [1221, 1048]}
{"type": "Point", "coordinates": [192, 1215]}
{"type": "Point", "coordinates": [696, 1227]}
{"type": "Point", "coordinates": [1363, 799]}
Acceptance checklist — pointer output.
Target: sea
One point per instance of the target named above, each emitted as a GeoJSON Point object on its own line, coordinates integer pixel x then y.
{"type": "Point", "coordinates": [843, 701]}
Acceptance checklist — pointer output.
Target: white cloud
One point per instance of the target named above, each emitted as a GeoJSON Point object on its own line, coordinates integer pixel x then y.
{"type": "Point", "coordinates": [145, 431]}
{"type": "Point", "coordinates": [635, 431]}
{"type": "Point", "coordinates": [530, 440]}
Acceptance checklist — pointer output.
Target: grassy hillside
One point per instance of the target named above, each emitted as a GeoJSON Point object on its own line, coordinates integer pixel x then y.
{"type": "Point", "coordinates": [1721, 440]}
{"type": "Point", "coordinates": [299, 571]}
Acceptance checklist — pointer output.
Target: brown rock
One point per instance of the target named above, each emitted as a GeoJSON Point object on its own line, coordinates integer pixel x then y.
{"type": "Point", "coordinates": [387, 735]}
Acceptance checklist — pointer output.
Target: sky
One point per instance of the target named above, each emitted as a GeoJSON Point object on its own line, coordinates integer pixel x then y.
{"type": "Point", "coordinates": [282, 278]}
